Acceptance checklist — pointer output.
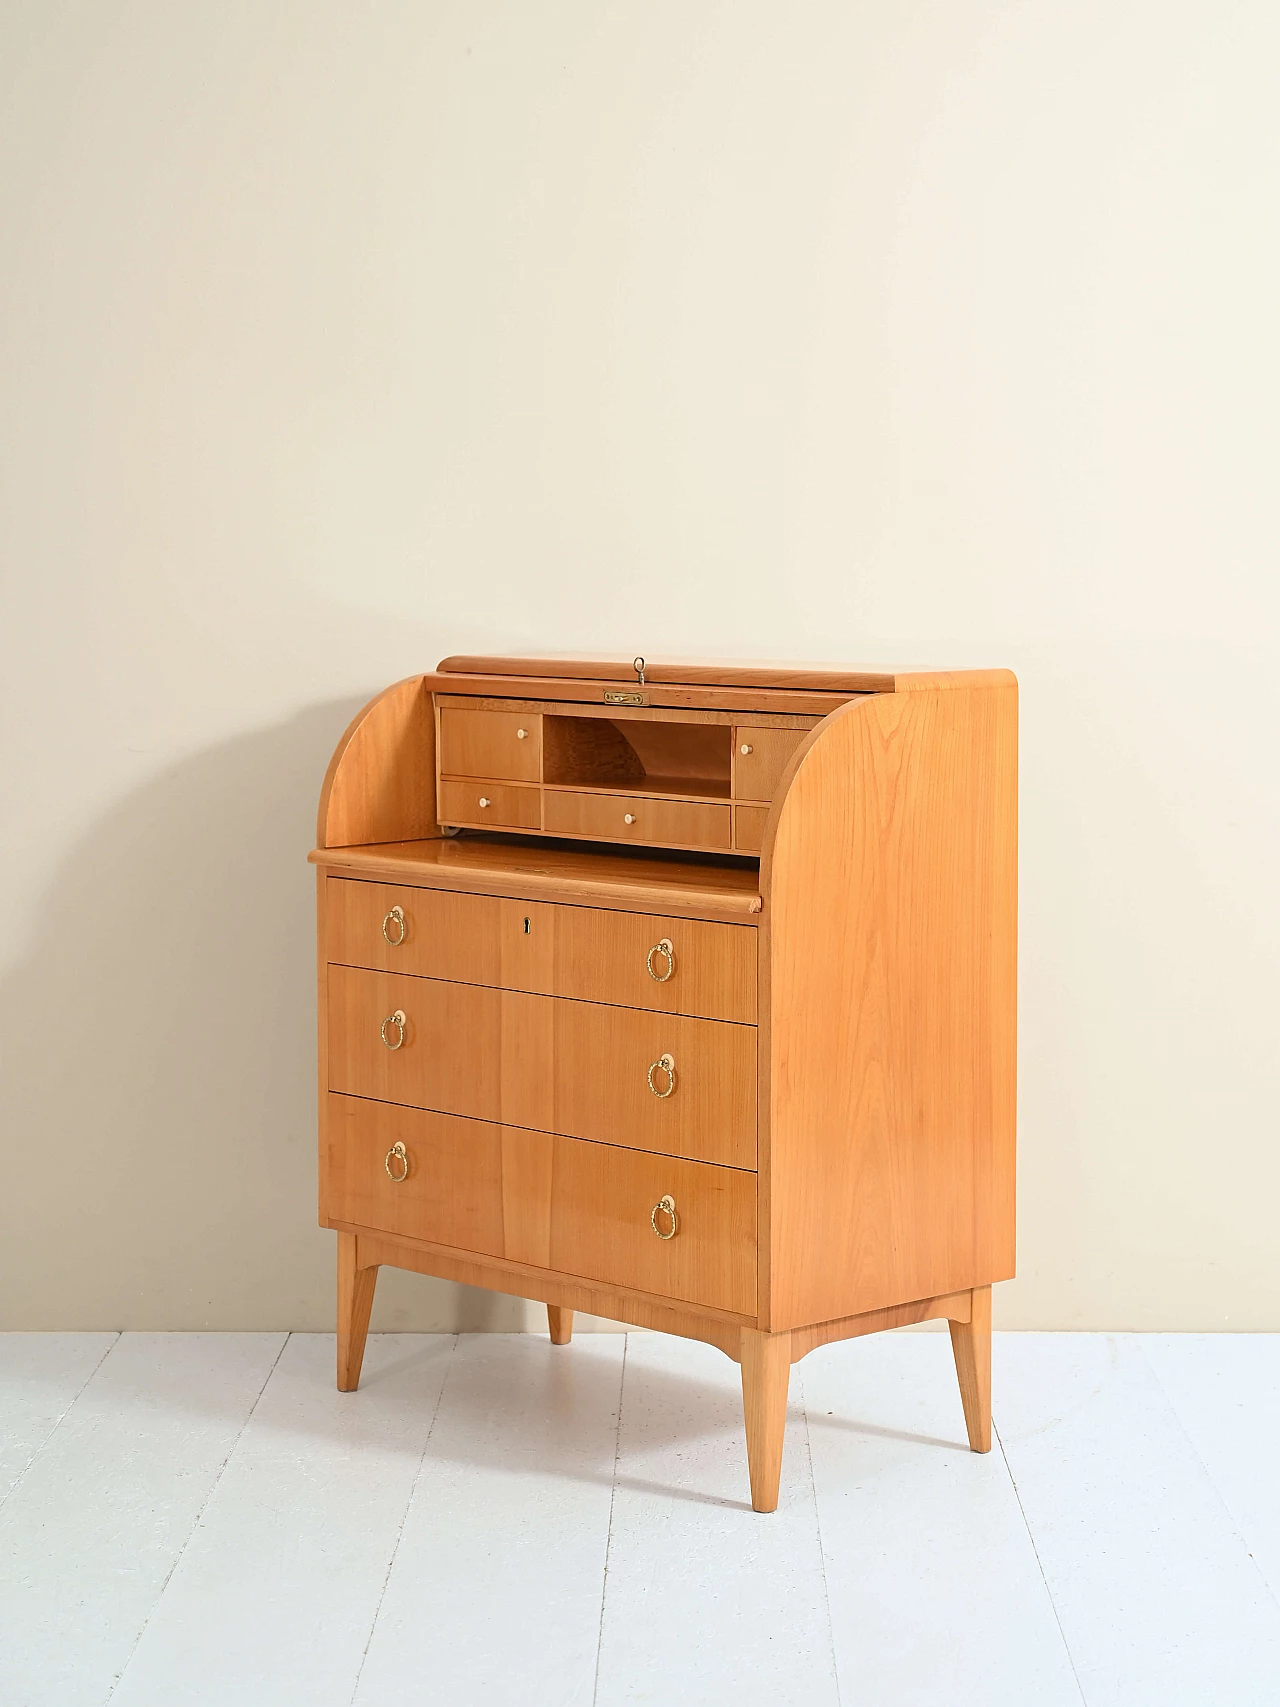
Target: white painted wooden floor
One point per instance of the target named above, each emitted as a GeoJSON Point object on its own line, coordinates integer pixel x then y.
{"type": "Point", "coordinates": [190, 1518]}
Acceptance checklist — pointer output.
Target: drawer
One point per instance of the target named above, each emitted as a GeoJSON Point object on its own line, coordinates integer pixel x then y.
{"type": "Point", "coordinates": [451, 1194]}
{"type": "Point", "coordinates": [490, 805]}
{"type": "Point", "coordinates": [604, 817]}
{"type": "Point", "coordinates": [577, 1208]}
{"type": "Point", "coordinates": [588, 953]}
{"type": "Point", "coordinates": [503, 745]}
{"type": "Point", "coordinates": [748, 828]}
{"type": "Point", "coordinates": [757, 771]}
{"type": "Point", "coordinates": [577, 1068]}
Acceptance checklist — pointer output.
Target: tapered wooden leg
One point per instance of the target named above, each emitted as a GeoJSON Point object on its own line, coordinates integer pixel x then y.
{"type": "Point", "coordinates": [560, 1321]}
{"type": "Point", "coordinates": [355, 1300]}
{"type": "Point", "coordinates": [766, 1372]}
{"type": "Point", "coordinates": [971, 1343]}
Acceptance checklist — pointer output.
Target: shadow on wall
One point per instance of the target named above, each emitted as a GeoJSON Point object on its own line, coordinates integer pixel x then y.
{"type": "Point", "coordinates": [159, 1084]}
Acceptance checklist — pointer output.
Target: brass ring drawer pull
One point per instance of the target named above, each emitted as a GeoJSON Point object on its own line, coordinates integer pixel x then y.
{"type": "Point", "coordinates": [398, 1020]}
{"type": "Point", "coordinates": [665, 949]}
{"type": "Point", "coordinates": [398, 1154]}
{"type": "Point", "coordinates": [664, 1206]}
{"type": "Point", "coordinates": [394, 919]}
{"type": "Point", "coordinates": [664, 1064]}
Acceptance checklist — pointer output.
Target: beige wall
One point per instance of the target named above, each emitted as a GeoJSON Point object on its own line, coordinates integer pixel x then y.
{"type": "Point", "coordinates": [334, 338]}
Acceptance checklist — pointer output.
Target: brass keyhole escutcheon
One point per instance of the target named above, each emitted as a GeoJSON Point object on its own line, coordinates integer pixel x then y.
{"type": "Point", "coordinates": [397, 1164]}
{"type": "Point", "coordinates": [665, 1206]}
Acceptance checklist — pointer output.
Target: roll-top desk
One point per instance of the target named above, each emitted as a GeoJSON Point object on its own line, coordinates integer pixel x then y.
{"type": "Point", "coordinates": [683, 995]}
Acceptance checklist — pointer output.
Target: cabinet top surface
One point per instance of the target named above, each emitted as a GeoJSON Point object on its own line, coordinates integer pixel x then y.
{"type": "Point", "coordinates": [518, 866]}
{"type": "Point", "coordinates": [677, 672]}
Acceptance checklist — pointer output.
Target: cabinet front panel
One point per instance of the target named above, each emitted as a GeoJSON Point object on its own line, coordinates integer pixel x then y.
{"type": "Point", "coordinates": [503, 745]}
{"type": "Point", "coordinates": [577, 1068]}
{"type": "Point", "coordinates": [758, 771]}
{"type": "Point", "coordinates": [451, 1192]}
{"type": "Point", "coordinates": [583, 952]}
{"type": "Point", "coordinates": [668, 823]}
{"type": "Point", "coordinates": [581, 1209]}
{"type": "Point", "coordinates": [490, 805]}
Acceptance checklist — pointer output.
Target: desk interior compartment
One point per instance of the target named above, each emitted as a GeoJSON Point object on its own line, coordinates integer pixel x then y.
{"type": "Point", "coordinates": [626, 755]}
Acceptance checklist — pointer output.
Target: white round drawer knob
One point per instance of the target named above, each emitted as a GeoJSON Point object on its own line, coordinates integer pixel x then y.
{"type": "Point", "coordinates": [522, 734]}
{"type": "Point", "coordinates": [484, 800]}
{"type": "Point", "coordinates": [628, 817]}
{"type": "Point", "coordinates": [744, 749]}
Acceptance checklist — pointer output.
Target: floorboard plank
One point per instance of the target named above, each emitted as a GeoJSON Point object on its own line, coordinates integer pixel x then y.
{"type": "Point", "coordinates": [495, 1591]}
{"type": "Point", "coordinates": [936, 1592]}
{"type": "Point", "coordinates": [706, 1600]}
{"type": "Point", "coordinates": [96, 1525]}
{"type": "Point", "coordinates": [41, 1376]}
{"type": "Point", "coordinates": [1158, 1598]}
{"type": "Point", "coordinates": [275, 1596]}
{"type": "Point", "coordinates": [1225, 1389]}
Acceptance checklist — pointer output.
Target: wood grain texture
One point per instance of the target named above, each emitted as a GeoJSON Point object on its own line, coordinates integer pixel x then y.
{"type": "Point", "coordinates": [577, 1068]}
{"type": "Point", "coordinates": [720, 1328]}
{"type": "Point", "coordinates": [667, 823]}
{"type": "Point", "coordinates": [381, 784]}
{"type": "Point", "coordinates": [355, 1301]}
{"type": "Point", "coordinates": [583, 691]}
{"type": "Point", "coordinates": [766, 1372]}
{"type": "Point", "coordinates": [584, 953]}
{"type": "Point", "coordinates": [626, 713]}
{"type": "Point", "coordinates": [504, 745]}
{"type": "Point", "coordinates": [578, 1208]}
{"type": "Point", "coordinates": [756, 774]}
{"type": "Point", "coordinates": [971, 1345]}
{"type": "Point", "coordinates": [452, 1194]}
{"type": "Point", "coordinates": [631, 880]}
{"type": "Point", "coordinates": [839, 678]}
{"type": "Point", "coordinates": [491, 805]}
{"type": "Point", "coordinates": [748, 828]}
{"type": "Point", "coordinates": [954, 1307]}
{"type": "Point", "coordinates": [889, 876]}
{"type": "Point", "coordinates": [591, 750]}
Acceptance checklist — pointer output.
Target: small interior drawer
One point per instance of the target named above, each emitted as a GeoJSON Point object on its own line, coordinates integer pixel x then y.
{"type": "Point", "coordinates": [637, 818]}
{"type": "Point", "coordinates": [759, 758]}
{"type": "Point", "coordinates": [748, 828]}
{"type": "Point", "coordinates": [490, 805]}
{"type": "Point", "coordinates": [503, 745]}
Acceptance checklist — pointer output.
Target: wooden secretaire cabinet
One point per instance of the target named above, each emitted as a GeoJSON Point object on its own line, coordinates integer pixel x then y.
{"type": "Point", "coordinates": [684, 995]}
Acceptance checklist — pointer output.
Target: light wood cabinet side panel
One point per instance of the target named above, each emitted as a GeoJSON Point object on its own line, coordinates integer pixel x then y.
{"type": "Point", "coordinates": [381, 781]}
{"type": "Point", "coordinates": [891, 925]}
